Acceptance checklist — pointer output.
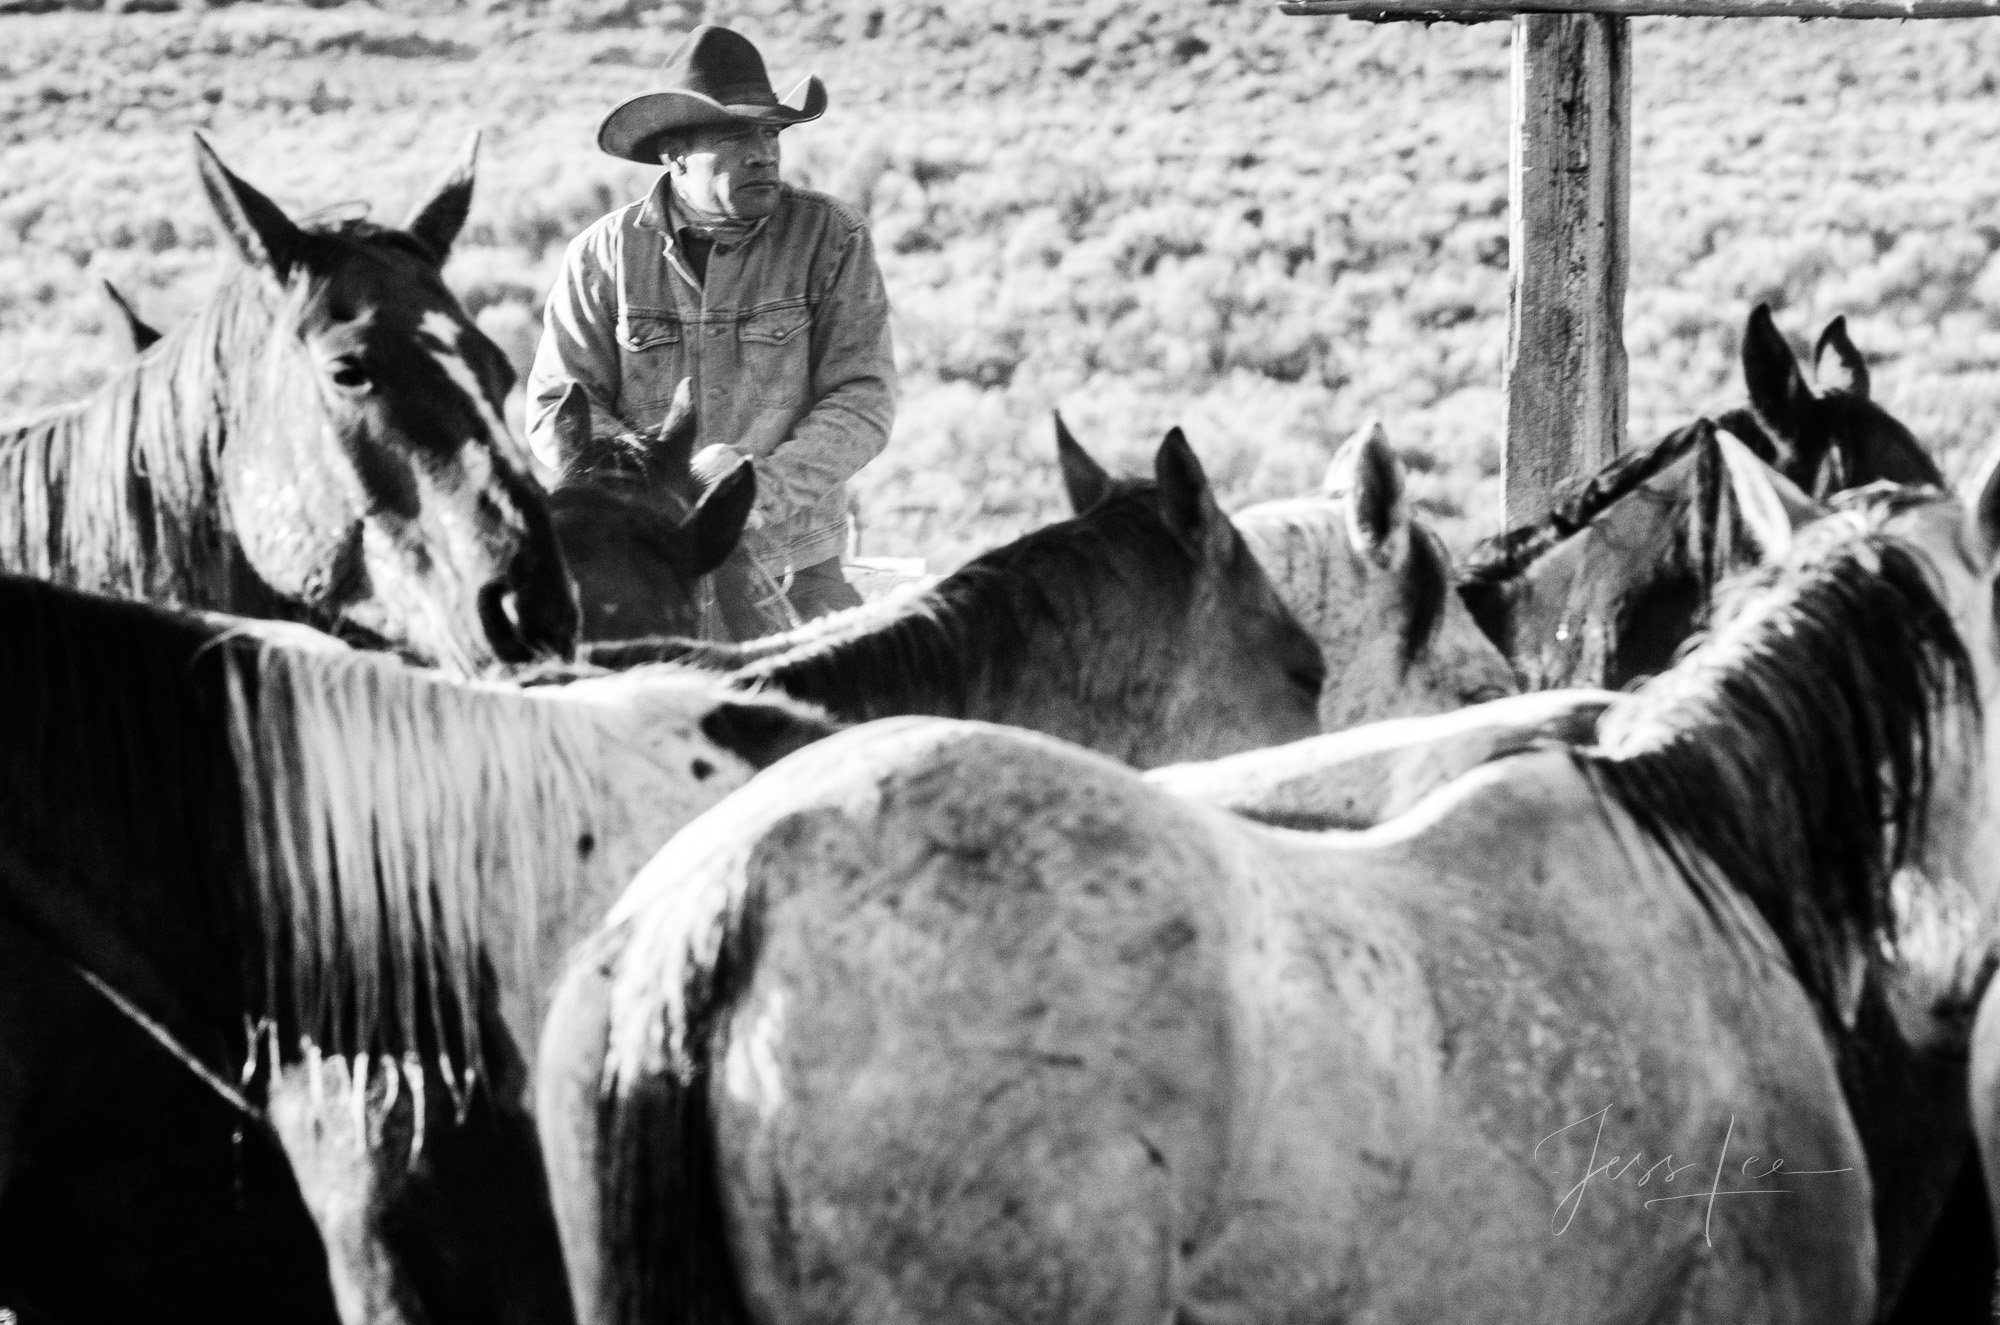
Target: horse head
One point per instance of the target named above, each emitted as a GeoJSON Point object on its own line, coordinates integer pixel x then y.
{"type": "Point", "coordinates": [638, 523]}
{"type": "Point", "coordinates": [1606, 587]}
{"type": "Point", "coordinates": [367, 467]}
{"type": "Point", "coordinates": [1823, 439]}
{"type": "Point", "coordinates": [1373, 585]}
{"type": "Point", "coordinates": [1234, 624]}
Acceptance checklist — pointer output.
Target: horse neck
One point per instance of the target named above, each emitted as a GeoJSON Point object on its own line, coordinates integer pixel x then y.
{"type": "Point", "coordinates": [1063, 654]}
{"type": "Point", "coordinates": [1798, 750]}
{"type": "Point", "coordinates": [122, 838]}
{"type": "Point", "coordinates": [121, 493]}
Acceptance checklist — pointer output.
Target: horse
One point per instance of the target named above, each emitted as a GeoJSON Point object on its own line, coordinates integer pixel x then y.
{"type": "Point", "coordinates": [233, 1085]}
{"type": "Point", "coordinates": [1608, 584]}
{"type": "Point", "coordinates": [639, 528]}
{"type": "Point", "coordinates": [322, 442]}
{"type": "Point", "coordinates": [1142, 627]}
{"type": "Point", "coordinates": [1828, 439]}
{"type": "Point", "coordinates": [943, 1019]}
{"type": "Point", "coordinates": [1605, 587]}
{"type": "Point", "coordinates": [1373, 585]}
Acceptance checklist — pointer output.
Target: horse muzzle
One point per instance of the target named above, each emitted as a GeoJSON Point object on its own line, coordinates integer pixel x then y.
{"type": "Point", "coordinates": [532, 612]}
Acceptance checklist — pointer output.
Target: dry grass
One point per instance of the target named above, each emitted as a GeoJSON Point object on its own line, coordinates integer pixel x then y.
{"type": "Point", "coordinates": [1265, 229]}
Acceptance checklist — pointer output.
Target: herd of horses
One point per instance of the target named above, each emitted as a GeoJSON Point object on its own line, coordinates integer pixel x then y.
{"type": "Point", "coordinates": [413, 910]}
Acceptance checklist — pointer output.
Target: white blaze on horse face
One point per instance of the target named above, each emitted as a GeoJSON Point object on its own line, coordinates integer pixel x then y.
{"type": "Point", "coordinates": [443, 331]}
{"type": "Point", "coordinates": [750, 1072]}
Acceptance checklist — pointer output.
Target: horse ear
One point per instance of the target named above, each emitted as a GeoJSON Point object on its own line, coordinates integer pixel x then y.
{"type": "Point", "coordinates": [1769, 504]}
{"type": "Point", "coordinates": [1083, 477]}
{"type": "Point", "coordinates": [673, 443]}
{"type": "Point", "coordinates": [572, 424]}
{"type": "Point", "coordinates": [1778, 391]}
{"type": "Point", "coordinates": [1187, 503]}
{"type": "Point", "coordinates": [137, 334]}
{"type": "Point", "coordinates": [1831, 476]}
{"type": "Point", "coordinates": [263, 236]}
{"type": "Point", "coordinates": [718, 518]}
{"type": "Point", "coordinates": [1848, 373]}
{"type": "Point", "coordinates": [1367, 477]}
{"type": "Point", "coordinates": [436, 221]}
{"type": "Point", "coordinates": [1983, 505]}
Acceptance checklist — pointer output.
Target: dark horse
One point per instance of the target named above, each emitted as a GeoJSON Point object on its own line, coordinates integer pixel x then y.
{"type": "Point", "coordinates": [1605, 587]}
{"type": "Point", "coordinates": [322, 442]}
{"type": "Point", "coordinates": [638, 527]}
{"type": "Point", "coordinates": [137, 922]}
{"type": "Point", "coordinates": [1143, 628]}
{"type": "Point", "coordinates": [1828, 439]}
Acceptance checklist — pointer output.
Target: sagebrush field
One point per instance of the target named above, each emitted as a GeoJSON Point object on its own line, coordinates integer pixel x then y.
{"type": "Point", "coordinates": [1263, 228]}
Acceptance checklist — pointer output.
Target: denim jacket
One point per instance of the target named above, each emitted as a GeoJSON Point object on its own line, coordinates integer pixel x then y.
{"type": "Point", "coordinates": [787, 340]}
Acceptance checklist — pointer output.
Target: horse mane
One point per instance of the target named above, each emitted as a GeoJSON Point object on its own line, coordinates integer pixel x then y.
{"type": "Point", "coordinates": [358, 818]}
{"type": "Point", "coordinates": [970, 634]}
{"type": "Point", "coordinates": [1796, 746]}
{"type": "Point", "coordinates": [121, 491]}
{"type": "Point", "coordinates": [385, 810]}
{"type": "Point", "coordinates": [1502, 557]}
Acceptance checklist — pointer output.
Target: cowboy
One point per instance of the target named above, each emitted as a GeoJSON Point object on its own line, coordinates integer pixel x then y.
{"type": "Point", "coordinates": [766, 296]}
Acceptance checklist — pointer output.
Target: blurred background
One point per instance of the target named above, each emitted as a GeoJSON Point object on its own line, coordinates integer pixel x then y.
{"type": "Point", "coordinates": [1265, 229]}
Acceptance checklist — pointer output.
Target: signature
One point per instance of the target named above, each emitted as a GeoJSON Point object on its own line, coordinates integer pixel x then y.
{"type": "Point", "coordinates": [1618, 1167]}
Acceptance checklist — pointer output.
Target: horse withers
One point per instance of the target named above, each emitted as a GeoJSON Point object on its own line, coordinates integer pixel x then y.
{"type": "Point", "coordinates": [945, 1020]}
{"type": "Point", "coordinates": [323, 441]}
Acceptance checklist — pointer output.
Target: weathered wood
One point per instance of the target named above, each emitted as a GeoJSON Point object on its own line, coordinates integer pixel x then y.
{"type": "Point", "coordinates": [1484, 10]}
{"type": "Point", "coordinates": [1570, 176]}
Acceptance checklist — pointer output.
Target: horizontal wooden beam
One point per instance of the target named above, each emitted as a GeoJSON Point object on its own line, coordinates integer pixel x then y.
{"type": "Point", "coordinates": [1477, 11]}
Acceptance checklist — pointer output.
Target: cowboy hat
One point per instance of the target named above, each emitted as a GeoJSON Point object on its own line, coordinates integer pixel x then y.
{"type": "Point", "coordinates": [714, 77]}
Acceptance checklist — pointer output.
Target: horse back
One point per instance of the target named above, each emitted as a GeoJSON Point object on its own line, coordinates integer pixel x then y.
{"type": "Point", "coordinates": [1468, 1011]}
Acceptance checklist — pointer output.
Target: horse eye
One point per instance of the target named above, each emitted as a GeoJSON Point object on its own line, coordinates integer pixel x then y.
{"type": "Point", "coordinates": [349, 375]}
{"type": "Point", "coordinates": [1308, 679]}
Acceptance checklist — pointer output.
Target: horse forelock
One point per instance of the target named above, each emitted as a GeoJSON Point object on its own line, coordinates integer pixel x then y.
{"type": "Point", "coordinates": [1796, 747]}
{"type": "Point", "coordinates": [970, 636]}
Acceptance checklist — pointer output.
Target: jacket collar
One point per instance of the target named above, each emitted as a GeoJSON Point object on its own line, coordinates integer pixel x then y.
{"type": "Point", "coordinates": [660, 212]}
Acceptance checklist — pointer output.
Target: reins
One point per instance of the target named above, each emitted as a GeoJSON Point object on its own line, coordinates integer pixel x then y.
{"type": "Point", "coordinates": [161, 1036]}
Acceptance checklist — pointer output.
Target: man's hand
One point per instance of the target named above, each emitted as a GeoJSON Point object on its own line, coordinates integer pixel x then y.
{"type": "Point", "coordinates": [713, 463]}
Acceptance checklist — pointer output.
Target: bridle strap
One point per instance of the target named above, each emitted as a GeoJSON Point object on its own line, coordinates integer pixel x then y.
{"type": "Point", "coordinates": [164, 1038]}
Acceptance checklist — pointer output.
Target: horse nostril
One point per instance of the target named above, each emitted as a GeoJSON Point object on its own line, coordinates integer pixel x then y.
{"type": "Point", "coordinates": [499, 614]}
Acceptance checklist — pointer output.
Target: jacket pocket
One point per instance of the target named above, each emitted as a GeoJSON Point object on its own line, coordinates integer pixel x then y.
{"type": "Point", "coordinates": [776, 351]}
{"type": "Point", "coordinates": [650, 346]}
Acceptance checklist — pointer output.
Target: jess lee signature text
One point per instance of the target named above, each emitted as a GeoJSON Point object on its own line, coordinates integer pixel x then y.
{"type": "Point", "coordinates": [1756, 1169]}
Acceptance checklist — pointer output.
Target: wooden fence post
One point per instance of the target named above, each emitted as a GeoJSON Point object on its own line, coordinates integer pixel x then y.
{"type": "Point", "coordinates": [1570, 168]}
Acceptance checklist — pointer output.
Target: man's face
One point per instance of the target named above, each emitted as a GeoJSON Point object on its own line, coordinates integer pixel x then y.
{"type": "Point", "coordinates": [729, 169]}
